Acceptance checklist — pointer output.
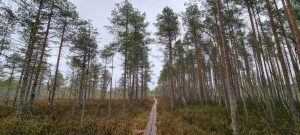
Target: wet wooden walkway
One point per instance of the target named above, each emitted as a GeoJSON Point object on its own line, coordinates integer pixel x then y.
{"type": "Point", "coordinates": [151, 125]}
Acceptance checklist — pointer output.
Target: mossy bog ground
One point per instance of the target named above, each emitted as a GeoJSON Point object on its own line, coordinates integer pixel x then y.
{"type": "Point", "coordinates": [214, 119]}
{"type": "Point", "coordinates": [62, 120]}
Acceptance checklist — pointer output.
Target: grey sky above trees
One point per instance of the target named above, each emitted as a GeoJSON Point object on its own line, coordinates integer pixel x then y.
{"type": "Point", "coordinates": [100, 10]}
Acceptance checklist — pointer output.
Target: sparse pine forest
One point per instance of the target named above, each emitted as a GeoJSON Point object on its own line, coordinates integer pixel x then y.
{"type": "Point", "coordinates": [226, 67]}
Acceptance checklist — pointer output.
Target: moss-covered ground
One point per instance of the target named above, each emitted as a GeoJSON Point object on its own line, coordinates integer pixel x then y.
{"type": "Point", "coordinates": [214, 119]}
{"type": "Point", "coordinates": [61, 120]}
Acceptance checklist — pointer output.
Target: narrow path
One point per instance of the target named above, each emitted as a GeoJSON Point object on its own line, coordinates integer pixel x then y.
{"type": "Point", "coordinates": [151, 125]}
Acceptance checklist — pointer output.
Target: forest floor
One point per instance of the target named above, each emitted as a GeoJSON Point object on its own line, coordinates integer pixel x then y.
{"type": "Point", "coordinates": [214, 119]}
{"type": "Point", "coordinates": [63, 121]}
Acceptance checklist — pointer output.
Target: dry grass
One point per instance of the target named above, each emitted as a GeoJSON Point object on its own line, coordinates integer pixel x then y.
{"type": "Point", "coordinates": [61, 120]}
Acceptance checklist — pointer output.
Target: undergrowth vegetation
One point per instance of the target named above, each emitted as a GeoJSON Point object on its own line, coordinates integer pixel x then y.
{"type": "Point", "coordinates": [214, 119]}
{"type": "Point", "coordinates": [62, 120]}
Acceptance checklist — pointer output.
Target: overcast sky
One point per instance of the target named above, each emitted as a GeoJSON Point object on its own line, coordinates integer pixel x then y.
{"type": "Point", "coordinates": [100, 10]}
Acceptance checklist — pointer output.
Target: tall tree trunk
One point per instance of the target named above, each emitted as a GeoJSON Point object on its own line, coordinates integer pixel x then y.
{"type": "Point", "coordinates": [170, 72]}
{"type": "Point", "coordinates": [198, 56]}
{"type": "Point", "coordinates": [18, 87]}
{"type": "Point", "coordinates": [125, 62]}
{"type": "Point", "coordinates": [40, 85]}
{"type": "Point", "coordinates": [32, 71]}
{"type": "Point", "coordinates": [57, 64]}
{"type": "Point", "coordinates": [39, 67]}
{"type": "Point", "coordinates": [28, 60]}
{"type": "Point", "coordinates": [82, 89]}
{"type": "Point", "coordinates": [22, 72]}
{"type": "Point", "coordinates": [225, 73]}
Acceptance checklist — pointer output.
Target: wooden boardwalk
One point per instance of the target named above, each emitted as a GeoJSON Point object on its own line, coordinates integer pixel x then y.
{"type": "Point", "coordinates": [151, 125]}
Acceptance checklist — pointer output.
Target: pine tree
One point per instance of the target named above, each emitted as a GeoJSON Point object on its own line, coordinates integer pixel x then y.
{"type": "Point", "coordinates": [168, 30]}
